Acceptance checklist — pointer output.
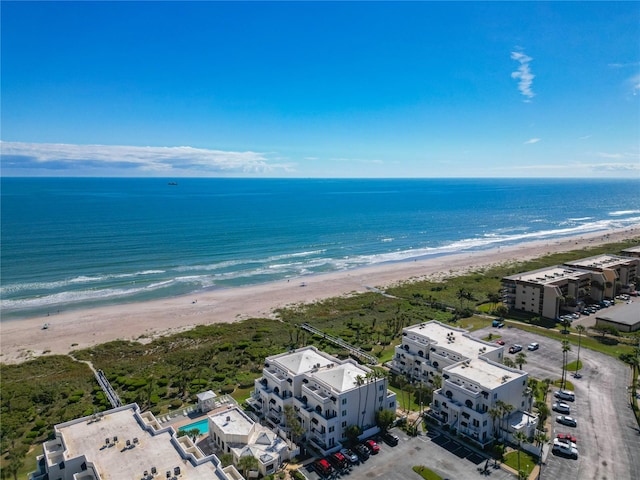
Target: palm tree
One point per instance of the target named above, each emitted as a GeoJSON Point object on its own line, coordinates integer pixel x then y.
{"type": "Point", "coordinates": [547, 382]}
{"type": "Point", "coordinates": [506, 411]}
{"type": "Point", "coordinates": [494, 413]}
{"type": "Point", "coordinates": [462, 295]}
{"type": "Point", "coordinates": [368, 377]}
{"type": "Point", "coordinates": [540, 438]}
{"type": "Point", "coordinates": [507, 362]}
{"type": "Point", "coordinates": [520, 437]}
{"type": "Point", "coordinates": [580, 329]}
{"type": "Point", "coordinates": [494, 299]}
{"type": "Point", "coordinates": [633, 360]}
{"type": "Point", "coordinates": [521, 359]}
{"type": "Point", "coordinates": [566, 347]}
{"type": "Point", "coordinates": [359, 382]}
{"type": "Point", "coordinates": [247, 463]}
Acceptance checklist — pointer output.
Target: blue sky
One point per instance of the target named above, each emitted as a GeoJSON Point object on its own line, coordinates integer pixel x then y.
{"type": "Point", "coordinates": [327, 89]}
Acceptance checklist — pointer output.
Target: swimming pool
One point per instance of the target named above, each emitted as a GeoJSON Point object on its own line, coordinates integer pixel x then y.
{"type": "Point", "coordinates": [201, 425]}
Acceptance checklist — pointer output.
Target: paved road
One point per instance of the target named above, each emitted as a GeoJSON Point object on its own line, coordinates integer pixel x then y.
{"type": "Point", "coordinates": [608, 435]}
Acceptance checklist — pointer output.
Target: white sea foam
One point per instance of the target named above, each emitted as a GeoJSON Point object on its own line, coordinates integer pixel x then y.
{"type": "Point", "coordinates": [624, 212]}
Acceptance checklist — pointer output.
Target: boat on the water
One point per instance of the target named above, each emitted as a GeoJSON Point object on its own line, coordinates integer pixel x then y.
{"type": "Point", "coordinates": [173, 183]}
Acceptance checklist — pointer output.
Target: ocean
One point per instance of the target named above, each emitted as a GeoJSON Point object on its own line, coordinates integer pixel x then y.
{"type": "Point", "coordinates": [70, 243]}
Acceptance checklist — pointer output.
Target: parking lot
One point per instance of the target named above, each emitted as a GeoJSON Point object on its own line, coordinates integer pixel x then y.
{"type": "Point", "coordinates": [448, 457]}
{"type": "Point", "coordinates": [607, 432]}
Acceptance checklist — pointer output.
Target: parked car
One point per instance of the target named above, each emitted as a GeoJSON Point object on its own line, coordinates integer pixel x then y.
{"type": "Point", "coordinates": [567, 437]}
{"type": "Point", "coordinates": [515, 348]}
{"type": "Point", "coordinates": [568, 421]}
{"type": "Point", "coordinates": [373, 447]}
{"type": "Point", "coordinates": [350, 456]}
{"type": "Point", "coordinates": [533, 346]}
{"type": "Point", "coordinates": [362, 451]}
{"type": "Point", "coordinates": [565, 395]}
{"type": "Point", "coordinates": [323, 467]}
{"type": "Point", "coordinates": [568, 449]}
{"type": "Point", "coordinates": [500, 342]}
{"type": "Point", "coordinates": [338, 460]}
{"type": "Point", "coordinates": [561, 407]}
{"type": "Point", "coordinates": [390, 438]}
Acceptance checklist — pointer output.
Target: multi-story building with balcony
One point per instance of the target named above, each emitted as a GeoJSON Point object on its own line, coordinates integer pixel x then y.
{"type": "Point", "coordinates": [327, 394]}
{"type": "Point", "coordinates": [473, 380]}
{"type": "Point", "coordinates": [619, 274]}
{"type": "Point", "coordinates": [545, 291]}
{"type": "Point", "coordinates": [125, 443]}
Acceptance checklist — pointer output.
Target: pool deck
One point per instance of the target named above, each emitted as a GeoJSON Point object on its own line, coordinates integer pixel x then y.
{"type": "Point", "coordinates": [189, 415]}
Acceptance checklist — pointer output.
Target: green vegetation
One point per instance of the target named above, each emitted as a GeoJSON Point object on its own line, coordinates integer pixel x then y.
{"type": "Point", "coordinates": [167, 373]}
{"type": "Point", "coordinates": [425, 473]}
{"type": "Point", "coordinates": [527, 462]}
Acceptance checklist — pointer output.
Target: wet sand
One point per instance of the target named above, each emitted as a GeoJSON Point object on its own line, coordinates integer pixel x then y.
{"type": "Point", "coordinates": [24, 339]}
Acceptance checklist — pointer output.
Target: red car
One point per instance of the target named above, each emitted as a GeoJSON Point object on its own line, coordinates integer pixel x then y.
{"type": "Point", "coordinates": [500, 342]}
{"type": "Point", "coordinates": [567, 436]}
{"type": "Point", "coordinates": [372, 446]}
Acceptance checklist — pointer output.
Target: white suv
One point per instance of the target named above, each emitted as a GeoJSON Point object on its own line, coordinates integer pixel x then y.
{"type": "Point", "coordinates": [568, 449]}
{"type": "Point", "coordinates": [565, 395]}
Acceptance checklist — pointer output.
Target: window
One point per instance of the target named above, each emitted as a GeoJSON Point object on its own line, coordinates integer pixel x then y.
{"type": "Point", "coordinates": [380, 398]}
{"type": "Point", "coordinates": [495, 395]}
{"type": "Point", "coordinates": [484, 424]}
{"type": "Point", "coordinates": [380, 387]}
{"type": "Point", "coordinates": [344, 401]}
{"type": "Point", "coordinates": [464, 424]}
{"type": "Point", "coordinates": [344, 413]}
{"type": "Point", "coordinates": [476, 423]}
{"type": "Point", "coordinates": [392, 405]}
{"type": "Point", "coordinates": [331, 429]}
{"type": "Point", "coordinates": [344, 424]}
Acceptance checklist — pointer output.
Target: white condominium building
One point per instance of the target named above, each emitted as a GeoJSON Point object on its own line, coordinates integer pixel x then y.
{"type": "Point", "coordinates": [125, 444]}
{"type": "Point", "coordinates": [473, 379]}
{"type": "Point", "coordinates": [327, 394]}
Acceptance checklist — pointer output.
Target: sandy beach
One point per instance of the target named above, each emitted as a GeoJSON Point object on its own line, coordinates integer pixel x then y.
{"type": "Point", "coordinates": [67, 331]}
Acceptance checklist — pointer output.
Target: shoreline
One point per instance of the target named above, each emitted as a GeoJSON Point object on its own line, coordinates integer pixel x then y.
{"type": "Point", "coordinates": [25, 339]}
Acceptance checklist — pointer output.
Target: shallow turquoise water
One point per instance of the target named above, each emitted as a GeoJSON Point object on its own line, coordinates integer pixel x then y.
{"type": "Point", "coordinates": [201, 425]}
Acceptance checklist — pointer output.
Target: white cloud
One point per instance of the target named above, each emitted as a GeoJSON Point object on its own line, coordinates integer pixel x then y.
{"type": "Point", "coordinates": [610, 155]}
{"type": "Point", "coordinates": [132, 160]}
{"type": "Point", "coordinates": [523, 75]}
{"type": "Point", "coordinates": [532, 140]}
{"type": "Point", "coordinates": [624, 65]}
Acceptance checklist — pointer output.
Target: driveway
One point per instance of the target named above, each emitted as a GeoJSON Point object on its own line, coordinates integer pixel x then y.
{"type": "Point", "coordinates": [607, 432]}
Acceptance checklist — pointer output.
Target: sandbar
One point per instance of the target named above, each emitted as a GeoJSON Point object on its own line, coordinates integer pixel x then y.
{"type": "Point", "coordinates": [78, 329]}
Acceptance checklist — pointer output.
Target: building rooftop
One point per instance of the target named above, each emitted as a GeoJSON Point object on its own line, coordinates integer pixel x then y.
{"type": "Point", "coordinates": [601, 261]}
{"type": "Point", "coordinates": [549, 275]}
{"type": "Point", "coordinates": [451, 338]}
{"type": "Point", "coordinates": [118, 461]}
{"type": "Point", "coordinates": [486, 374]}
{"type": "Point", "coordinates": [342, 377]}
{"type": "Point", "coordinates": [627, 314]}
{"type": "Point", "coordinates": [302, 360]}
{"type": "Point", "coordinates": [632, 250]}
{"type": "Point", "coordinates": [233, 422]}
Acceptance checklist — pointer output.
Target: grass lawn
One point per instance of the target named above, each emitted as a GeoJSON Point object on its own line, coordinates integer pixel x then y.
{"type": "Point", "coordinates": [425, 473]}
{"type": "Point", "coordinates": [527, 461]}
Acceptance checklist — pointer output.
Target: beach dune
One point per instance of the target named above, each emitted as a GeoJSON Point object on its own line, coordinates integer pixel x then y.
{"type": "Point", "coordinates": [66, 331]}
